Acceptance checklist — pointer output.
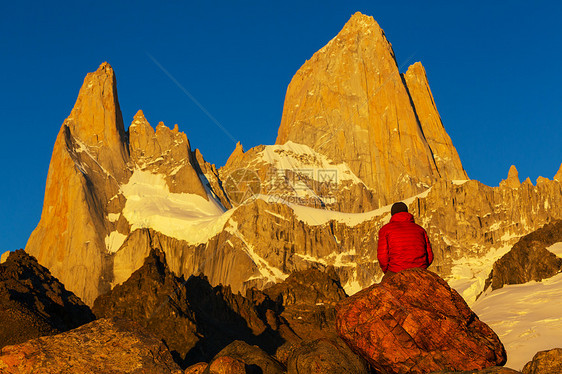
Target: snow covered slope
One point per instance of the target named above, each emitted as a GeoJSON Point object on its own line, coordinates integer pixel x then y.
{"type": "Point", "coordinates": [526, 317]}
{"type": "Point", "coordinates": [184, 216]}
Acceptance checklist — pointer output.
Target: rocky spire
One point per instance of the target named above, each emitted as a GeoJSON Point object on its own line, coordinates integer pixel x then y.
{"type": "Point", "coordinates": [237, 153]}
{"type": "Point", "coordinates": [88, 164]}
{"type": "Point", "coordinates": [96, 119]}
{"type": "Point", "coordinates": [167, 152]}
{"type": "Point", "coordinates": [445, 155]}
{"type": "Point", "coordinates": [512, 180]}
{"type": "Point", "coordinates": [350, 103]}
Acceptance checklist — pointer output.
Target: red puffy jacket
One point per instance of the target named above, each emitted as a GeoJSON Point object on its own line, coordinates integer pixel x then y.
{"type": "Point", "coordinates": [403, 244]}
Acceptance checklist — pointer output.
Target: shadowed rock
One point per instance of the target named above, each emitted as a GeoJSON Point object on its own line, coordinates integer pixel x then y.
{"type": "Point", "coordinates": [255, 358]}
{"type": "Point", "coordinates": [307, 299]}
{"type": "Point", "coordinates": [195, 319]}
{"type": "Point", "coordinates": [325, 356]}
{"type": "Point", "coordinates": [33, 303]}
{"type": "Point", "coordinates": [529, 259]}
{"type": "Point", "coordinates": [413, 322]}
{"type": "Point", "coordinates": [157, 300]}
{"type": "Point", "coordinates": [102, 346]}
{"type": "Point", "coordinates": [545, 362]}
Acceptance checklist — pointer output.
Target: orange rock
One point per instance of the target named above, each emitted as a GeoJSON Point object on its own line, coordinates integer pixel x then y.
{"type": "Point", "coordinates": [350, 103]}
{"type": "Point", "coordinates": [413, 322]}
{"type": "Point", "coordinates": [165, 151]}
{"type": "Point", "coordinates": [512, 180]}
{"type": "Point", "coordinates": [102, 346]}
{"type": "Point", "coordinates": [96, 119]}
{"type": "Point", "coordinates": [91, 160]}
{"type": "Point", "coordinates": [444, 152]}
{"type": "Point", "coordinates": [227, 365]}
{"type": "Point", "coordinates": [197, 368]}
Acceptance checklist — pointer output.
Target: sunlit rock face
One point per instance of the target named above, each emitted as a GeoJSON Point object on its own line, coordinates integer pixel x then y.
{"type": "Point", "coordinates": [89, 162]}
{"type": "Point", "coordinates": [444, 153]}
{"type": "Point", "coordinates": [93, 157]}
{"type": "Point", "coordinates": [350, 102]}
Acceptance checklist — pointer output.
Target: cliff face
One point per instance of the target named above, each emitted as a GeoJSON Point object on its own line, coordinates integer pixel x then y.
{"type": "Point", "coordinates": [82, 222]}
{"type": "Point", "coordinates": [350, 103]}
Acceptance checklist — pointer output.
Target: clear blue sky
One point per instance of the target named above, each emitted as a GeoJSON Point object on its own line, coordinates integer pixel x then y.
{"type": "Point", "coordinates": [494, 68]}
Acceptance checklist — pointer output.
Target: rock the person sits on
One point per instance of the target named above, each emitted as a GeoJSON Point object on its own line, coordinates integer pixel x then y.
{"type": "Point", "coordinates": [415, 323]}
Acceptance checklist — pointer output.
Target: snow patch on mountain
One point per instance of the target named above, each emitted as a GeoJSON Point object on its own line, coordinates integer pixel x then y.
{"type": "Point", "coordinates": [352, 286]}
{"type": "Point", "coordinates": [114, 241]}
{"type": "Point", "coordinates": [469, 273]}
{"type": "Point", "coordinates": [113, 217]}
{"type": "Point", "coordinates": [556, 249]}
{"type": "Point", "coordinates": [460, 182]}
{"type": "Point", "coordinates": [315, 216]}
{"type": "Point", "coordinates": [184, 216]}
{"type": "Point", "coordinates": [302, 158]}
{"type": "Point", "coordinates": [526, 317]}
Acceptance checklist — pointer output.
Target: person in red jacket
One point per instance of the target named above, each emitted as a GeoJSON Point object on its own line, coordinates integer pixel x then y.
{"type": "Point", "coordinates": [403, 244]}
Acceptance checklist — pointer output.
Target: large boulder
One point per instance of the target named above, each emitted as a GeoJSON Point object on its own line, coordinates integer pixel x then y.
{"type": "Point", "coordinates": [33, 303]}
{"type": "Point", "coordinates": [545, 362]}
{"type": "Point", "coordinates": [101, 346]}
{"type": "Point", "coordinates": [529, 259]}
{"type": "Point", "coordinates": [413, 322]}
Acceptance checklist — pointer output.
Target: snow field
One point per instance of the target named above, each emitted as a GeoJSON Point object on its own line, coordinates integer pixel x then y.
{"type": "Point", "coordinates": [527, 317]}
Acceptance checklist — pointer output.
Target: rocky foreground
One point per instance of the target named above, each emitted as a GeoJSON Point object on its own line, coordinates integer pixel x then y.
{"type": "Point", "coordinates": [414, 322]}
{"type": "Point", "coordinates": [33, 303]}
{"type": "Point", "coordinates": [157, 322]}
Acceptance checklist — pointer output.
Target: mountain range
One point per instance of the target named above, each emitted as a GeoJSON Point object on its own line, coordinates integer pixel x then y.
{"type": "Point", "coordinates": [355, 136]}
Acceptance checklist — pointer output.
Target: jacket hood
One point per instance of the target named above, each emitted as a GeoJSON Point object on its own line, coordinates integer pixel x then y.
{"type": "Point", "coordinates": [402, 217]}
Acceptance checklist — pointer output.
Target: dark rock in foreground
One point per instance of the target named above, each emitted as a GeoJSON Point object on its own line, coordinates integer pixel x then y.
{"type": "Point", "coordinates": [33, 303]}
{"type": "Point", "coordinates": [307, 299]}
{"type": "Point", "coordinates": [255, 359]}
{"type": "Point", "coordinates": [194, 319]}
{"type": "Point", "coordinates": [102, 346]}
{"type": "Point", "coordinates": [325, 356]}
{"type": "Point", "coordinates": [156, 299]}
{"type": "Point", "coordinates": [528, 260]}
{"type": "Point", "coordinates": [197, 368]}
{"type": "Point", "coordinates": [413, 322]}
{"type": "Point", "coordinates": [545, 362]}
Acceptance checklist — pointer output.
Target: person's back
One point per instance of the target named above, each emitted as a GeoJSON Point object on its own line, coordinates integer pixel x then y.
{"type": "Point", "coordinates": [402, 243]}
